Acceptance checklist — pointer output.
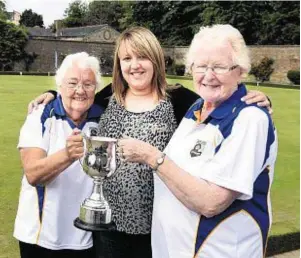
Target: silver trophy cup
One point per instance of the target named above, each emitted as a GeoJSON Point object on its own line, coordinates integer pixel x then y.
{"type": "Point", "coordinates": [99, 162]}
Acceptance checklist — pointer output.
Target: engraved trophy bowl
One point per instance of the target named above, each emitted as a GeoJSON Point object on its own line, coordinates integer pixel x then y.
{"type": "Point", "coordinates": [99, 162]}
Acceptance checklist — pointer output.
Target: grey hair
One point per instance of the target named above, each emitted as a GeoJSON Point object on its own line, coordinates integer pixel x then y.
{"type": "Point", "coordinates": [221, 33]}
{"type": "Point", "coordinates": [83, 60]}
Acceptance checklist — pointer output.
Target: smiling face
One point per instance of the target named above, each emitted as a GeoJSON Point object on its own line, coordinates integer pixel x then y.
{"type": "Point", "coordinates": [212, 87]}
{"type": "Point", "coordinates": [136, 70]}
{"type": "Point", "coordinates": [76, 99]}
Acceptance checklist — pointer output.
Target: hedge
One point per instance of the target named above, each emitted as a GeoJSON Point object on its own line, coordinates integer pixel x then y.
{"type": "Point", "coordinates": [294, 76]}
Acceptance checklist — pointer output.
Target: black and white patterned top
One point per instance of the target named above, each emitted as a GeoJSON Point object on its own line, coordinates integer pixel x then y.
{"type": "Point", "coordinates": [130, 190]}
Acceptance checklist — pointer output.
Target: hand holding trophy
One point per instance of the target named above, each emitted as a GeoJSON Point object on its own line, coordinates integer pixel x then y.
{"type": "Point", "coordinates": [99, 162]}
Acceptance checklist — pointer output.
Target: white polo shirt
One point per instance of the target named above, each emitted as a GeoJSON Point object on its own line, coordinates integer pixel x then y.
{"type": "Point", "coordinates": [235, 148]}
{"type": "Point", "coordinates": [46, 213]}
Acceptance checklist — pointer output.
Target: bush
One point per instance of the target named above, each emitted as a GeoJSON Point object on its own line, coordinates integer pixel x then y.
{"type": "Point", "coordinates": [294, 76]}
{"type": "Point", "coordinates": [180, 69]}
{"type": "Point", "coordinates": [106, 65]}
{"type": "Point", "coordinates": [263, 70]}
{"type": "Point", "coordinates": [168, 64]}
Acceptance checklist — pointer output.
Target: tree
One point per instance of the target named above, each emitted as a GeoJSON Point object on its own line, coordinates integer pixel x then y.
{"type": "Point", "coordinates": [76, 14]}
{"type": "Point", "coordinates": [294, 76]}
{"type": "Point", "coordinates": [3, 13]}
{"type": "Point", "coordinates": [52, 27]}
{"type": "Point", "coordinates": [282, 24]}
{"type": "Point", "coordinates": [31, 19]}
{"type": "Point", "coordinates": [263, 70]}
{"type": "Point", "coordinates": [175, 22]}
{"type": "Point", "coordinates": [12, 43]}
{"type": "Point", "coordinates": [28, 59]}
{"type": "Point", "coordinates": [178, 22]}
{"type": "Point", "coordinates": [104, 12]}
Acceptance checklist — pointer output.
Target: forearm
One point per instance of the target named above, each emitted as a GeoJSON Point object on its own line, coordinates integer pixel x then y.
{"type": "Point", "coordinates": [196, 194]}
{"type": "Point", "coordinates": [45, 169]}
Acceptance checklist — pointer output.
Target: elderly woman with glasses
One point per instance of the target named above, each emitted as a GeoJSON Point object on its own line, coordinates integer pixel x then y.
{"type": "Point", "coordinates": [54, 185]}
{"type": "Point", "coordinates": [212, 182]}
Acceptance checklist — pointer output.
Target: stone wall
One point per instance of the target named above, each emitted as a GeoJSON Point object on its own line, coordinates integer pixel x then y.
{"type": "Point", "coordinates": [106, 34]}
{"type": "Point", "coordinates": [47, 50]}
{"type": "Point", "coordinates": [286, 57]}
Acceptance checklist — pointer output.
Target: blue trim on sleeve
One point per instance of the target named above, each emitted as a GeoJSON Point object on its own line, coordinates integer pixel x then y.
{"type": "Point", "coordinates": [224, 117]}
{"type": "Point", "coordinates": [257, 207]}
{"type": "Point", "coordinates": [47, 112]}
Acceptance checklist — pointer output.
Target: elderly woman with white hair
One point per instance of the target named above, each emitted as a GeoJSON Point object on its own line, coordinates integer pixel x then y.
{"type": "Point", "coordinates": [212, 182]}
{"type": "Point", "coordinates": [54, 185]}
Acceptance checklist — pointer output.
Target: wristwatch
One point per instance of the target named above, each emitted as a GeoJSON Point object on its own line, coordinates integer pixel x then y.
{"type": "Point", "coordinates": [159, 161]}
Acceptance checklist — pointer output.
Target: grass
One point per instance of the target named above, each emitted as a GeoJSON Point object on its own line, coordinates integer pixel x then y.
{"type": "Point", "coordinates": [17, 91]}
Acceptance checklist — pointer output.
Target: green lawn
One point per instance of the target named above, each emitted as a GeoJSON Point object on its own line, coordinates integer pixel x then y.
{"type": "Point", "coordinates": [17, 91]}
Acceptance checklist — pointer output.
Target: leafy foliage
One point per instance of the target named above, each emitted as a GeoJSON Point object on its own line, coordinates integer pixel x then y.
{"type": "Point", "coordinates": [3, 13]}
{"type": "Point", "coordinates": [76, 14]}
{"type": "Point", "coordinates": [281, 25]}
{"type": "Point", "coordinates": [294, 76]}
{"type": "Point", "coordinates": [12, 43]}
{"type": "Point", "coordinates": [263, 70]}
{"type": "Point", "coordinates": [180, 69]}
{"type": "Point", "coordinates": [175, 22]}
{"type": "Point", "coordinates": [31, 19]}
{"type": "Point", "coordinates": [104, 12]}
{"type": "Point", "coordinates": [52, 27]}
{"type": "Point", "coordinates": [106, 65]}
{"type": "Point", "coordinates": [28, 59]}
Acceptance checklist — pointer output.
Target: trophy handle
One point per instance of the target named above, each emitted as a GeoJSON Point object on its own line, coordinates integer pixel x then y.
{"type": "Point", "coordinates": [85, 137]}
{"type": "Point", "coordinates": [111, 164]}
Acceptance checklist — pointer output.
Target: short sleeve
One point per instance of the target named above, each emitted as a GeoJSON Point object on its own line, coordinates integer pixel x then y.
{"type": "Point", "coordinates": [240, 158]}
{"type": "Point", "coordinates": [34, 132]}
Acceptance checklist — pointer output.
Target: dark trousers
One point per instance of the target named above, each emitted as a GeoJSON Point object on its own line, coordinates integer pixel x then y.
{"type": "Point", "coordinates": [114, 244]}
{"type": "Point", "coordinates": [32, 251]}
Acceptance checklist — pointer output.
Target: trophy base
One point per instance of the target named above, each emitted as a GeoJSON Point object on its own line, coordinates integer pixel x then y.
{"type": "Point", "coordinates": [94, 227]}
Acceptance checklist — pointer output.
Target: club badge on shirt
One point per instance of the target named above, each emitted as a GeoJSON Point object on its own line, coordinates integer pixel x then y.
{"type": "Point", "coordinates": [198, 148]}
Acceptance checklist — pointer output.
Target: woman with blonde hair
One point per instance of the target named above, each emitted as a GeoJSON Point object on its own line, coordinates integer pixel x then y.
{"type": "Point", "coordinates": [139, 104]}
{"type": "Point", "coordinates": [213, 180]}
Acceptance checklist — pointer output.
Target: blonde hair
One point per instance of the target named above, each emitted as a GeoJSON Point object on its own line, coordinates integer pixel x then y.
{"type": "Point", "coordinates": [83, 60]}
{"type": "Point", "coordinates": [220, 33]}
{"type": "Point", "coordinates": [144, 43]}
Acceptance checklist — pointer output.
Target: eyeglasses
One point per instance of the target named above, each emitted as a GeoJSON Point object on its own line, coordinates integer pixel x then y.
{"type": "Point", "coordinates": [75, 86]}
{"type": "Point", "coordinates": [215, 69]}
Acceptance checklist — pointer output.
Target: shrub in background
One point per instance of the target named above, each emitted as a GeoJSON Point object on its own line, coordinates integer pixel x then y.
{"type": "Point", "coordinates": [294, 76]}
{"type": "Point", "coordinates": [106, 65]}
{"type": "Point", "coordinates": [180, 69]}
{"type": "Point", "coordinates": [262, 70]}
{"type": "Point", "coordinates": [169, 65]}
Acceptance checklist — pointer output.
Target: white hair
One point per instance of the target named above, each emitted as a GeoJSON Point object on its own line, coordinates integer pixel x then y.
{"type": "Point", "coordinates": [83, 60]}
{"type": "Point", "coordinates": [221, 33]}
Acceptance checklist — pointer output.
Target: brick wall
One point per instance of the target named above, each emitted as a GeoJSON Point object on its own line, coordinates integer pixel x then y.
{"type": "Point", "coordinates": [286, 57]}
